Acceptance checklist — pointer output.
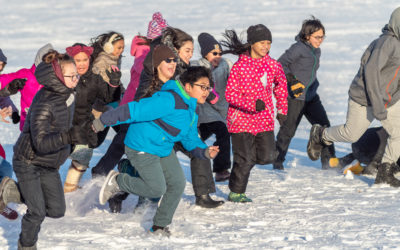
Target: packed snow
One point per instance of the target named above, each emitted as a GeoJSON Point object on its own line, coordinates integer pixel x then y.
{"type": "Point", "coordinates": [302, 207]}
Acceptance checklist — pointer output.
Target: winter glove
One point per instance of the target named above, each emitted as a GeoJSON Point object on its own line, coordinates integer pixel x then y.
{"type": "Point", "coordinates": [212, 97]}
{"type": "Point", "coordinates": [260, 105]}
{"type": "Point", "coordinates": [15, 117]}
{"type": "Point", "coordinates": [296, 88]}
{"type": "Point", "coordinates": [97, 125]}
{"type": "Point", "coordinates": [16, 85]}
{"type": "Point", "coordinates": [114, 76]}
{"type": "Point", "coordinates": [75, 135]}
{"type": "Point", "coordinates": [281, 118]}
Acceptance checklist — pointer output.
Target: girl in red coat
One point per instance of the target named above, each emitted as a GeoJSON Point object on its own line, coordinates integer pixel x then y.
{"type": "Point", "coordinates": [254, 78]}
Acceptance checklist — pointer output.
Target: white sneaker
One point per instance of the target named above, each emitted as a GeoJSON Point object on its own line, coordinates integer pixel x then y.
{"type": "Point", "coordinates": [109, 188]}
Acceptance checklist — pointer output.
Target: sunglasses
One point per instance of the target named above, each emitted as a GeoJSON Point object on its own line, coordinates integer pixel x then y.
{"type": "Point", "coordinates": [203, 87]}
{"type": "Point", "coordinates": [74, 77]}
{"type": "Point", "coordinates": [319, 38]}
{"type": "Point", "coordinates": [217, 53]}
{"type": "Point", "coordinates": [169, 60]}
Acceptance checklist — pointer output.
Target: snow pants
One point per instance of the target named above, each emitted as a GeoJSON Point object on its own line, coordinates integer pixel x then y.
{"type": "Point", "coordinates": [357, 122]}
{"type": "Point", "coordinates": [315, 113]}
{"type": "Point", "coordinates": [114, 153]}
{"type": "Point", "coordinates": [223, 140]}
{"type": "Point", "coordinates": [202, 177]}
{"type": "Point", "coordinates": [43, 194]}
{"type": "Point", "coordinates": [159, 176]}
{"type": "Point", "coordinates": [248, 150]}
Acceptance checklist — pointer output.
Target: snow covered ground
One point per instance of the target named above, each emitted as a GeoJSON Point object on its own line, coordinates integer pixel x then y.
{"type": "Point", "coordinates": [299, 208]}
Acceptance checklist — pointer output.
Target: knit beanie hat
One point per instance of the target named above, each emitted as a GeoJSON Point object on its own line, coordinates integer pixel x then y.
{"type": "Point", "coordinates": [156, 26]}
{"type": "Point", "coordinates": [259, 32]}
{"type": "Point", "coordinates": [160, 53]}
{"type": "Point", "coordinates": [3, 58]}
{"type": "Point", "coordinates": [207, 43]}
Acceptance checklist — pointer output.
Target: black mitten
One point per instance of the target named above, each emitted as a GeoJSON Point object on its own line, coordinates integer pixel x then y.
{"type": "Point", "coordinates": [114, 76]}
{"type": "Point", "coordinates": [260, 105]}
{"type": "Point", "coordinates": [15, 117]}
{"type": "Point", "coordinates": [16, 85]}
{"type": "Point", "coordinates": [281, 118]}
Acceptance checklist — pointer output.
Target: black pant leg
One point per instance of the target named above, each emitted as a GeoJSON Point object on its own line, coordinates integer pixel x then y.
{"type": "Point", "coordinates": [43, 194]}
{"type": "Point", "coordinates": [316, 114]}
{"type": "Point", "coordinates": [244, 156]}
{"type": "Point", "coordinates": [114, 153]}
{"type": "Point", "coordinates": [202, 178]}
{"type": "Point", "coordinates": [288, 128]}
{"type": "Point", "coordinates": [223, 140]}
{"type": "Point", "coordinates": [265, 148]}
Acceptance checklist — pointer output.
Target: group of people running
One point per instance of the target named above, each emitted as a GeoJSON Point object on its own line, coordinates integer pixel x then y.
{"type": "Point", "coordinates": [70, 100]}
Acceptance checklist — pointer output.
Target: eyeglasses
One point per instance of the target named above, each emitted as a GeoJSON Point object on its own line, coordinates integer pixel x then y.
{"type": "Point", "coordinates": [203, 87]}
{"type": "Point", "coordinates": [319, 38]}
{"type": "Point", "coordinates": [217, 53]}
{"type": "Point", "coordinates": [169, 60]}
{"type": "Point", "coordinates": [74, 77]}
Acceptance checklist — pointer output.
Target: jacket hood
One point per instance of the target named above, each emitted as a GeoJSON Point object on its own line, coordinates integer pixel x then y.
{"type": "Point", "coordinates": [41, 52]}
{"type": "Point", "coordinates": [177, 87]}
{"type": "Point", "coordinates": [394, 23]}
{"type": "Point", "coordinates": [46, 76]}
{"type": "Point", "coordinates": [138, 49]}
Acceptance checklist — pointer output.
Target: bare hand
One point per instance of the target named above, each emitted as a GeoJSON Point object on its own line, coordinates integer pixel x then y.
{"type": "Point", "coordinates": [4, 113]}
{"type": "Point", "coordinates": [213, 151]}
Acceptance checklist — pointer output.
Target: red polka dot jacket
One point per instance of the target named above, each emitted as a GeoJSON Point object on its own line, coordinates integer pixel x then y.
{"type": "Point", "coordinates": [251, 79]}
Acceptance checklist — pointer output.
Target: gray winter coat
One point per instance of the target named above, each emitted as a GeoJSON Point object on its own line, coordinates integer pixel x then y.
{"type": "Point", "coordinates": [377, 81]}
{"type": "Point", "coordinates": [302, 60]}
{"type": "Point", "coordinates": [218, 111]}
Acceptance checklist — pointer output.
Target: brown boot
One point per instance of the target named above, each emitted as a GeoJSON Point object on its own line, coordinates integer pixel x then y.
{"type": "Point", "coordinates": [74, 175]}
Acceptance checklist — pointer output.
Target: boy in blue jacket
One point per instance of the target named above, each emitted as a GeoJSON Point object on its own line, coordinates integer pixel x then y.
{"type": "Point", "coordinates": [156, 123]}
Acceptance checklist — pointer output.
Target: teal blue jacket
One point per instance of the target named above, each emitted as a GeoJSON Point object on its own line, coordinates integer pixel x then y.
{"type": "Point", "coordinates": [159, 121]}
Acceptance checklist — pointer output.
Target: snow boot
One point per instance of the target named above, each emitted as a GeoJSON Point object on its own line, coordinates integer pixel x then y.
{"type": "Point", "coordinates": [160, 231]}
{"type": "Point", "coordinates": [9, 192]}
{"type": "Point", "coordinates": [371, 169]}
{"type": "Point", "coordinates": [315, 144]}
{"type": "Point", "coordinates": [20, 247]}
{"type": "Point", "coordinates": [9, 213]}
{"type": "Point", "coordinates": [385, 175]}
{"type": "Point", "coordinates": [235, 197]}
{"type": "Point", "coordinates": [115, 202]}
{"type": "Point", "coordinates": [207, 202]}
{"type": "Point", "coordinates": [109, 188]}
{"type": "Point", "coordinates": [356, 169]}
{"type": "Point", "coordinates": [74, 175]}
{"type": "Point", "coordinates": [278, 166]}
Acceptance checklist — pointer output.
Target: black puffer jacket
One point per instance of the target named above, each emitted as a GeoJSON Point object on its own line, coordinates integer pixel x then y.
{"type": "Point", "coordinates": [91, 87]}
{"type": "Point", "coordinates": [50, 114]}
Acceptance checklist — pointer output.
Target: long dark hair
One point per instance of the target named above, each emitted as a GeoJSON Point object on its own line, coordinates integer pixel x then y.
{"type": "Point", "coordinates": [234, 44]}
{"type": "Point", "coordinates": [309, 27]}
{"type": "Point", "coordinates": [154, 86]}
{"type": "Point", "coordinates": [98, 43]}
{"type": "Point", "coordinates": [175, 37]}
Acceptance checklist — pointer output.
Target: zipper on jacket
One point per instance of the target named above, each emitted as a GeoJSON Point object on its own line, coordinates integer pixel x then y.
{"type": "Point", "coordinates": [312, 72]}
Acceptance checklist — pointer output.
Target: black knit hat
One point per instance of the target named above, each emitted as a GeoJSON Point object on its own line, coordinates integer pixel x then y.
{"type": "Point", "coordinates": [207, 43]}
{"type": "Point", "coordinates": [259, 32]}
{"type": "Point", "coordinates": [3, 58]}
{"type": "Point", "coordinates": [160, 53]}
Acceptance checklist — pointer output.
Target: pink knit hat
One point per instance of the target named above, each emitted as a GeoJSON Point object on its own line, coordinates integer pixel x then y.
{"type": "Point", "coordinates": [156, 26]}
